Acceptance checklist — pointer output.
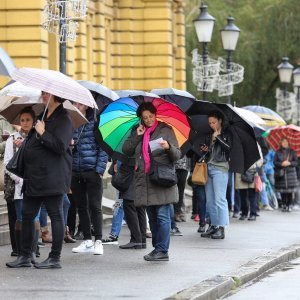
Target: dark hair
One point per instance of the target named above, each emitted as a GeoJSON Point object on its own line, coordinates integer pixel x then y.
{"type": "Point", "coordinates": [145, 106]}
{"type": "Point", "coordinates": [58, 99]}
{"type": "Point", "coordinates": [28, 110]}
{"type": "Point", "coordinates": [216, 114]}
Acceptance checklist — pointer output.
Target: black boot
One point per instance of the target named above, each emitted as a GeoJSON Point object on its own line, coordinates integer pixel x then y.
{"type": "Point", "coordinates": [219, 234]}
{"type": "Point", "coordinates": [49, 263]}
{"type": "Point", "coordinates": [211, 230]}
{"type": "Point", "coordinates": [20, 262]}
{"type": "Point", "coordinates": [35, 241]}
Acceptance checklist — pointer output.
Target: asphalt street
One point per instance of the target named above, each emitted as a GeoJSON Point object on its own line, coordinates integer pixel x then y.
{"type": "Point", "coordinates": [122, 274]}
{"type": "Point", "coordinates": [283, 283]}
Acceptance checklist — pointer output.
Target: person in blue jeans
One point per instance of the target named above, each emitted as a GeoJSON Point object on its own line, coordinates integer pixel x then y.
{"type": "Point", "coordinates": [217, 146]}
{"type": "Point", "coordinates": [116, 226]}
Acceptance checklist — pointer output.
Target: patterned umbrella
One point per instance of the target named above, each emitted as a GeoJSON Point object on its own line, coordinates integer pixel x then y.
{"type": "Point", "coordinates": [55, 83]}
{"type": "Point", "coordinates": [291, 132]}
{"type": "Point", "coordinates": [119, 118]}
{"type": "Point", "coordinates": [270, 117]}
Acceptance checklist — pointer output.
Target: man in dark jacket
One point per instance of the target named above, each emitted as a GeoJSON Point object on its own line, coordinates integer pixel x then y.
{"type": "Point", "coordinates": [89, 164]}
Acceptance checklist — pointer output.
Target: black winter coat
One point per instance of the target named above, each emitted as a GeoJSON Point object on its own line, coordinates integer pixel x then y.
{"type": "Point", "coordinates": [48, 159]}
{"type": "Point", "coordinates": [289, 180]}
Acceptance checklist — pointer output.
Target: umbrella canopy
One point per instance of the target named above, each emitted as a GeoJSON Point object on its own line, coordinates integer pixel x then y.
{"type": "Point", "coordinates": [7, 66]}
{"type": "Point", "coordinates": [102, 94]}
{"type": "Point", "coordinates": [244, 152]}
{"type": "Point", "coordinates": [291, 132]}
{"type": "Point", "coordinates": [119, 118]}
{"type": "Point", "coordinates": [15, 105]}
{"type": "Point", "coordinates": [55, 83]}
{"type": "Point", "coordinates": [179, 97]}
{"type": "Point", "coordinates": [138, 96]}
{"type": "Point", "coordinates": [270, 117]}
{"type": "Point", "coordinates": [250, 116]}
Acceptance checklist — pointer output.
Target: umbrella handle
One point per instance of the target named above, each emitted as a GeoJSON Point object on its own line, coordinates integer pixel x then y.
{"type": "Point", "coordinates": [46, 108]}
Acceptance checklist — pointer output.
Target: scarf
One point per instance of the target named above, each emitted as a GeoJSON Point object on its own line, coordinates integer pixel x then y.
{"type": "Point", "coordinates": [145, 146]}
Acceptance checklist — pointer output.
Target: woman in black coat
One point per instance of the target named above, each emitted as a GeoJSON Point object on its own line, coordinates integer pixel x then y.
{"type": "Point", "coordinates": [47, 177]}
{"type": "Point", "coordinates": [286, 181]}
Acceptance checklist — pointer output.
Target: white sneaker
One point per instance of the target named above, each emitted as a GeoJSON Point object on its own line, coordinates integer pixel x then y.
{"type": "Point", "coordinates": [98, 248]}
{"type": "Point", "coordinates": [85, 247]}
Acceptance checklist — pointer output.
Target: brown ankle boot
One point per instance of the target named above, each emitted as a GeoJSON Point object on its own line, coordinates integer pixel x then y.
{"type": "Point", "coordinates": [68, 238]}
{"type": "Point", "coordinates": [46, 236]}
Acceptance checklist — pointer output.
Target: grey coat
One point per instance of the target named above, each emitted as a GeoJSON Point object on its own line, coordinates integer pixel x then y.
{"type": "Point", "coordinates": [147, 193]}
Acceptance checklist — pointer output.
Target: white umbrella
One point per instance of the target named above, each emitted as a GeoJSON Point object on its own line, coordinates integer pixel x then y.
{"type": "Point", "coordinates": [7, 66]}
{"type": "Point", "coordinates": [55, 83]}
{"type": "Point", "coordinates": [172, 91]}
{"type": "Point", "coordinates": [249, 116]}
{"type": "Point", "coordinates": [99, 88]}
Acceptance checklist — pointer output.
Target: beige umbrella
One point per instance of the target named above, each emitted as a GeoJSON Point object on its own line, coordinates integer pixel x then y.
{"type": "Point", "coordinates": [12, 110]}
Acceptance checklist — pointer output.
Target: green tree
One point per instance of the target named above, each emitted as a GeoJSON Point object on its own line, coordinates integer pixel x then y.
{"type": "Point", "coordinates": [269, 31]}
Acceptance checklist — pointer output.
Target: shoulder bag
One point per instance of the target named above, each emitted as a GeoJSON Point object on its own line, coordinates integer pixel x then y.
{"type": "Point", "coordinates": [162, 174]}
{"type": "Point", "coordinates": [16, 164]}
{"type": "Point", "coordinates": [122, 179]}
{"type": "Point", "coordinates": [200, 173]}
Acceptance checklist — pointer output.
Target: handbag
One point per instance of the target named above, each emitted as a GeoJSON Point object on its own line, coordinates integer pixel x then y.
{"type": "Point", "coordinates": [258, 183]}
{"type": "Point", "coordinates": [162, 174]}
{"type": "Point", "coordinates": [200, 174]}
{"type": "Point", "coordinates": [248, 176]}
{"type": "Point", "coordinates": [9, 188]}
{"type": "Point", "coordinates": [122, 179]}
{"type": "Point", "coordinates": [16, 164]}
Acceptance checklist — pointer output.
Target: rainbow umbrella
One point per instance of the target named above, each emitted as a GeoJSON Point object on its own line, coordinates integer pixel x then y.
{"type": "Point", "coordinates": [118, 118]}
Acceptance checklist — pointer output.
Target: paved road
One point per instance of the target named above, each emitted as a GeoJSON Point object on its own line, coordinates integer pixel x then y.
{"type": "Point", "coordinates": [124, 274]}
{"type": "Point", "coordinates": [282, 284]}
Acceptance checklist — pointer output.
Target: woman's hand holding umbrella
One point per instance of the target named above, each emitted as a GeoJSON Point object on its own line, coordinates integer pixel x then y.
{"type": "Point", "coordinates": [285, 163]}
{"type": "Point", "coordinates": [40, 127]}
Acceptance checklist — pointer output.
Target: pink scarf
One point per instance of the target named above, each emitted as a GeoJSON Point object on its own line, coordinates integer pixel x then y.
{"type": "Point", "coordinates": [145, 146]}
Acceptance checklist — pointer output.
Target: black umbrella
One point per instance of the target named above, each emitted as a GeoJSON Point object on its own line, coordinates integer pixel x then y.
{"type": "Point", "coordinates": [181, 98]}
{"type": "Point", "coordinates": [244, 152]}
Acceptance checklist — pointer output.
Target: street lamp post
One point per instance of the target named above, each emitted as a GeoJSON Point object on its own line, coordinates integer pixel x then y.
{"type": "Point", "coordinates": [285, 70]}
{"type": "Point", "coordinates": [63, 44]}
{"type": "Point", "coordinates": [204, 25]}
{"type": "Point", "coordinates": [230, 35]}
{"type": "Point", "coordinates": [296, 76]}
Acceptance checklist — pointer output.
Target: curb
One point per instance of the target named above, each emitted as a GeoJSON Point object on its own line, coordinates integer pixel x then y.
{"type": "Point", "coordinates": [220, 285]}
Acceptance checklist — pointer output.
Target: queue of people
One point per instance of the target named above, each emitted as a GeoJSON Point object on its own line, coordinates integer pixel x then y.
{"type": "Point", "coordinates": [61, 162]}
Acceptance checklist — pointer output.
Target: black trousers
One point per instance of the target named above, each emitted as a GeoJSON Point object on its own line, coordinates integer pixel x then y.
{"type": "Point", "coordinates": [247, 197]}
{"type": "Point", "coordinates": [54, 206]}
{"type": "Point", "coordinates": [12, 218]}
{"type": "Point", "coordinates": [287, 199]}
{"type": "Point", "coordinates": [136, 221]}
{"type": "Point", "coordinates": [87, 190]}
{"type": "Point", "coordinates": [181, 181]}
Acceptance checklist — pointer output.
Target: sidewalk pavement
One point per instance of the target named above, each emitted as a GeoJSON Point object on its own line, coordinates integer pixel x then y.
{"type": "Point", "coordinates": [198, 268]}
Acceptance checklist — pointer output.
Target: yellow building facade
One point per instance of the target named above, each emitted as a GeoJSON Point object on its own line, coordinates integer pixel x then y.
{"type": "Point", "coordinates": [124, 44]}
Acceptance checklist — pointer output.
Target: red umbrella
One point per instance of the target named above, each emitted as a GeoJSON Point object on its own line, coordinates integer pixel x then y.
{"type": "Point", "coordinates": [291, 132]}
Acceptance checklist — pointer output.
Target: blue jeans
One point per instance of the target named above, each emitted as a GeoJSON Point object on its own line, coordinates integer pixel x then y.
{"type": "Point", "coordinates": [199, 193]}
{"type": "Point", "coordinates": [117, 218]}
{"type": "Point", "coordinates": [160, 225]}
{"type": "Point", "coordinates": [18, 206]}
{"type": "Point", "coordinates": [216, 201]}
{"type": "Point", "coordinates": [43, 216]}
